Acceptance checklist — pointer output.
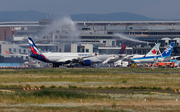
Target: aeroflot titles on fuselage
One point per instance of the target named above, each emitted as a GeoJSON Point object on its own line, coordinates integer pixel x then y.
{"type": "Point", "coordinates": [85, 55]}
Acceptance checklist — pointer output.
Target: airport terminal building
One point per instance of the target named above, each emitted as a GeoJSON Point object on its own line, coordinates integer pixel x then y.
{"type": "Point", "coordinates": [103, 37]}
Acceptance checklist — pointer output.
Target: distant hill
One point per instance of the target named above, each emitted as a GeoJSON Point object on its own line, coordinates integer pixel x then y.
{"type": "Point", "coordinates": [37, 16]}
{"type": "Point", "coordinates": [118, 16]}
{"type": "Point", "coordinates": [21, 16]}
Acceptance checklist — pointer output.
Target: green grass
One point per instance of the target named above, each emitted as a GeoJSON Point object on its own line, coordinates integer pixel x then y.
{"type": "Point", "coordinates": [45, 96]}
{"type": "Point", "coordinates": [90, 79]}
{"type": "Point", "coordinates": [74, 87]}
{"type": "Point", "coordinates": [85, 71]}
{"type": "Point", "coordinates": [80, 77]}
{"type": "Point", "coordinates": [62, 94]}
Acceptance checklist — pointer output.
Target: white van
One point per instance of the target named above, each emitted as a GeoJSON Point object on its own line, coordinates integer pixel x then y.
{"type": "Point", "coordinates": [121, 63]}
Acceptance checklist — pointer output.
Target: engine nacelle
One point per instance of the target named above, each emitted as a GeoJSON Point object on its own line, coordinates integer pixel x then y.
{"type": "Point", "coordinates": [87, 63]}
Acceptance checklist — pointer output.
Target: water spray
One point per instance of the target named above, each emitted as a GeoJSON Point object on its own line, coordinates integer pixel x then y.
{"type": "Point", "coordinates": [64, 22]}
{"type": "Point", "coordinates": [130, 39]}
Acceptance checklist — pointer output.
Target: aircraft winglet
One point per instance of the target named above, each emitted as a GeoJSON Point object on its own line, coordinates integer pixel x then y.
{"type": "Point", "coordinates": [7, 52]}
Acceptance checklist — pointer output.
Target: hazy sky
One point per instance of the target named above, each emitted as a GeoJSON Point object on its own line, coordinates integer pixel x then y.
{"type": "Point", "coordinates": [157, 9]}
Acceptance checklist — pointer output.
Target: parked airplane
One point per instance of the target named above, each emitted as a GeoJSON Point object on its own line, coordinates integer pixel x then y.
{"type": "Point", "coordinates": [105, 58]}
{"type": "Point", "coordinates": [56, 58]}
{"type": "Point", "coordinates": [150, 58]}
{"type": "Point", "coordinates": [129, 58]}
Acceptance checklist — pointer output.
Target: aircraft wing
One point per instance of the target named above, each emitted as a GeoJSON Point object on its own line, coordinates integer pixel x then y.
{"type": "Point", "coordinates": [72, 59]}
{"type": "Point", "coordinates": [65, 60]}
{"type": "Point", "coordinates": [114, 58]}
{"type": "Point", "coordinates": [167, 58]}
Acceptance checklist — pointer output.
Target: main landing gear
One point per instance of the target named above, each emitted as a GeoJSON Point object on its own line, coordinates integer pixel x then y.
{"type": "Point", "coordinates": [55, 65]}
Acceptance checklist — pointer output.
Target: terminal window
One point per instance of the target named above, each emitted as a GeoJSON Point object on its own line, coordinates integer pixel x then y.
{"type": "Point", "coordinates": [82, 50]}
{"type": "Point", "coordinates": [87, 50]}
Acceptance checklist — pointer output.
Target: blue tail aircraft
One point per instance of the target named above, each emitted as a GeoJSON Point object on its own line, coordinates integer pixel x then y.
{"type": "Point", "coordinates": [150, 58]}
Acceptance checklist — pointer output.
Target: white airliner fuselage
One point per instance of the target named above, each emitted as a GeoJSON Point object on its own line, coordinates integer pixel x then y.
{"type": "Point", "coordinates": [62, 57]}
{"type": "Point", "coordinates": [57, 58]}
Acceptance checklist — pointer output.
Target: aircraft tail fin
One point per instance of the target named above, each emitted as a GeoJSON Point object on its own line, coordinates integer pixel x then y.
{"type": "Point", "coordinates": [123, 48]}
{"type": "Point", "coordinates": [33, 47]}
{"type": "Point", "coordinates": [154, 50]}
{"type": "Point", "coordinates": [167, 52]}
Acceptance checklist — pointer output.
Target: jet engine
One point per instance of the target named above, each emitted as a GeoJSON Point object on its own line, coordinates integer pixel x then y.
{"type": "Point", "coordinates": [87, 63]}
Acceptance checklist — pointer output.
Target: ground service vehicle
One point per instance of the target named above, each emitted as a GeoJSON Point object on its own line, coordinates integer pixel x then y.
{"type": "Point", "coordinates": [165, 64]}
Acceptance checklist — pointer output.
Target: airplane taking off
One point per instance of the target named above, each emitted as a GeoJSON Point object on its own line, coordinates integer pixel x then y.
{"type": "Point", "coordinates": [150, 58]}
{"type": "Point", "coordinates": [56, 58]}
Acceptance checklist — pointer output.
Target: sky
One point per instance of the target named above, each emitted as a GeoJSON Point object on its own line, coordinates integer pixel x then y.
{"type": "Point", "coordinates": [156, 9]}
